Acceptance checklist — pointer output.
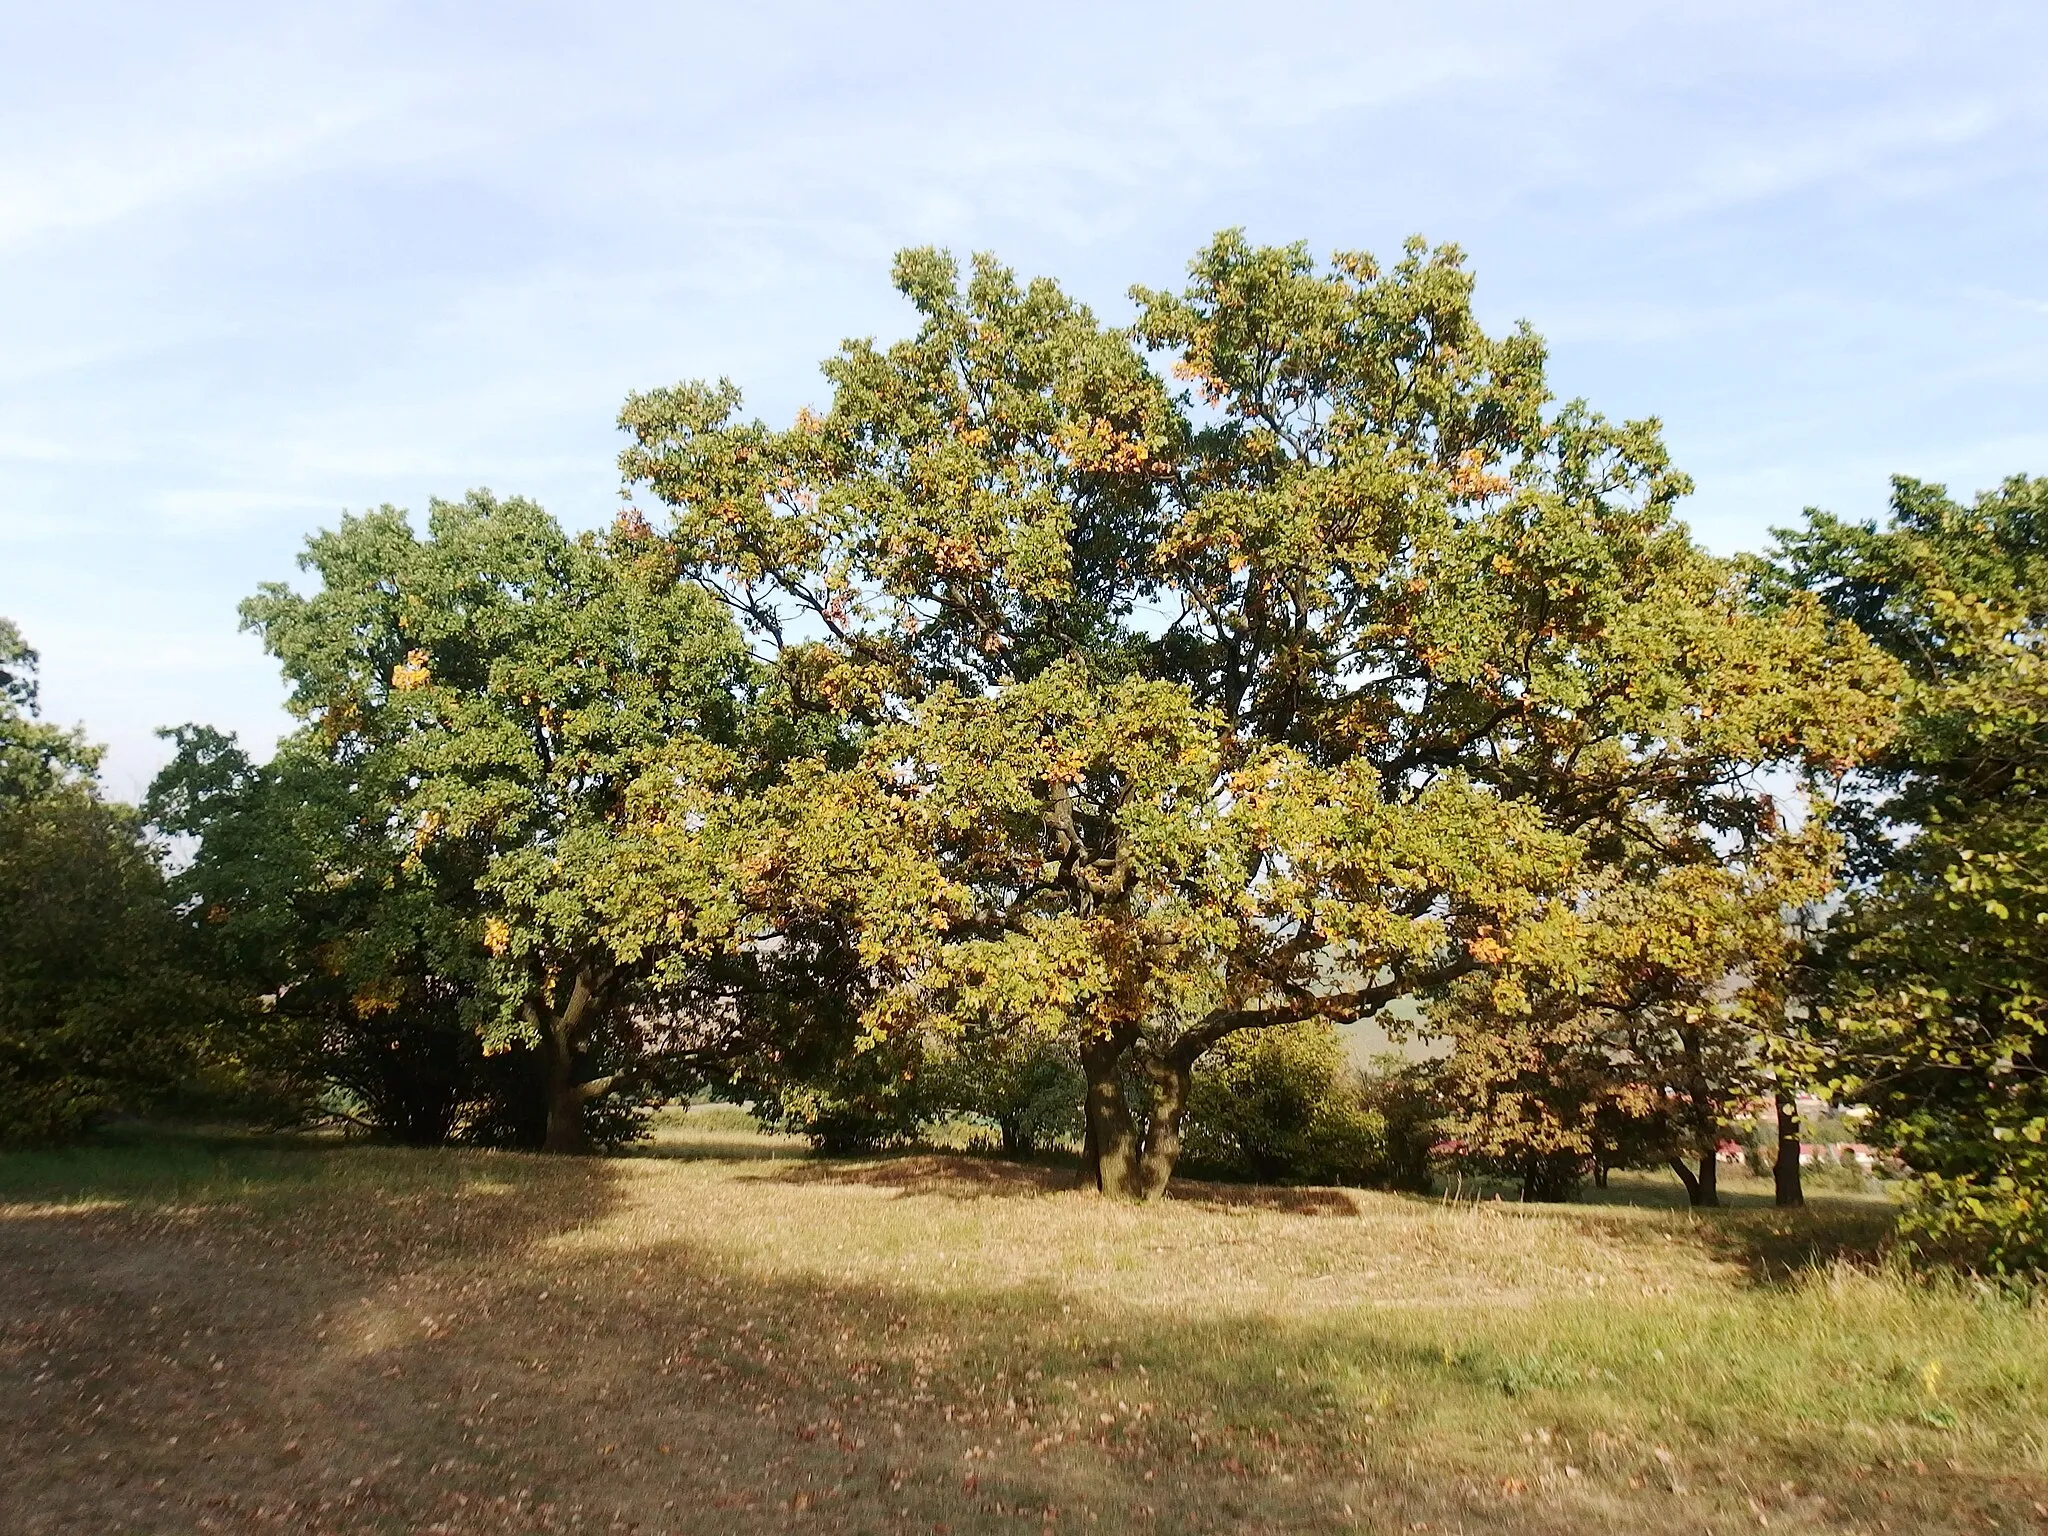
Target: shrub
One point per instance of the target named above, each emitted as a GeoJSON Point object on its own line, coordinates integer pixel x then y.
{"type": "Point", "coordinates": [1285, 1106]}
{"type": "Point", "coordinates": [1994, 1223]}
{"type": "Point", "coordinates": [98, 1006]}
{"type": "Point", "coordinates": [1406, 1096]}
{"type": "Point", "coordinates": [1030, 1090]}
{"type": "Point", "coordinates": [866, 1101]}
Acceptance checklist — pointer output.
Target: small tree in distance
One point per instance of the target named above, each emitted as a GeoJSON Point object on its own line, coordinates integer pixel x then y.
{"type": "Point", "coordinates": [1641, 1042]}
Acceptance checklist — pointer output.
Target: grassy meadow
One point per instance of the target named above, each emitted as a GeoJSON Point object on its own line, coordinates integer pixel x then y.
{"type": "Point", "coordinates": [725, 1335]}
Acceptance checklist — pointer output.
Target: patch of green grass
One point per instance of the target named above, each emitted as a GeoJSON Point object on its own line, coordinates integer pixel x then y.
{"type": "Point", "coordinates": [714, 1119]}
{"type": "Point", "coordinates": [158, 1165]}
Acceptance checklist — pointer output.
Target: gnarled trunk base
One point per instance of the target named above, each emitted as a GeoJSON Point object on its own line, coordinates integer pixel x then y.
{"type": "Point", "coordinates": [565, 1036]}
{"type": "Point", "coordinates": [1170, 1081]}
{"type": "Point", "coordinates": [1124, 1164]}
{"type": "Point", "coordinates": [565, 1125]}
{"type": "Point", "coordinates": [1112, 1133]}
{"type": "Point", "coordinates": [565, 1131]}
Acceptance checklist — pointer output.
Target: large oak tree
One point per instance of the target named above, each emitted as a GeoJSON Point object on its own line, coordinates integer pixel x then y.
{"type": "Point", "coordinates": [1327, 662]}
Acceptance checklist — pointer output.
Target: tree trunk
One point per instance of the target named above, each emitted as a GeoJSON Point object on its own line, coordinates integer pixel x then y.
{"type": "Point", "coordinates": [1692, 1185]}
{"type": "Point", "coordinates": [1705, 1189]}
{"type": "Point", "coordinates": [1170, 1080]}
{"type": "Point", "coordinates": [564, 1035]}
{"type": "Point", "coordinates": [1785, 1169]}
{"type": "Point", "coordinates": [565, 1099]}
{"type": "Point", "coordinates": [1112, 1134]}
{"type": "Point", "coordinates": [1702, 1188]}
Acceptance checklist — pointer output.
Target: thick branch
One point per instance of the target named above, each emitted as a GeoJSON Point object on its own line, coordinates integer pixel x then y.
{"type": "Point", "coordinates": [1351, 1004]}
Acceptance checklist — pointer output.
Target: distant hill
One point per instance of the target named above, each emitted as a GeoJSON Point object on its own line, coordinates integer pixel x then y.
{"type": "Point", "coordinates": [1368, 1038]}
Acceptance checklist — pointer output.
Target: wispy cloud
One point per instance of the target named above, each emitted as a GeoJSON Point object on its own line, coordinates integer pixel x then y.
{"type": "Point", "coordinates": [1877, 151]}
{"type": "Point", "coordinates": [2004, 300]}
{"type": "Point", "coordinates": [258, 263]}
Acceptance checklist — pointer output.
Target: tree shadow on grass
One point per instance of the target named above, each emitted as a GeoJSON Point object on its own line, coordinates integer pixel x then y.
{"type": "Point", "coordinates": [1780, 1247]}
{"type": "Point", "coordinates": [1291, 1200]}
{"type": "Point", "coordinates": [1771, 1245]}
{"type": "Point", "coordinates": [184, 1317]}
{"type": "Point", "coordinates": [911, 1174]}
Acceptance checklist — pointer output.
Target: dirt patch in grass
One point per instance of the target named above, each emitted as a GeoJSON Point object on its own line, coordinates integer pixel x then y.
{"type": "Point", "coordinates": [296, 1339]}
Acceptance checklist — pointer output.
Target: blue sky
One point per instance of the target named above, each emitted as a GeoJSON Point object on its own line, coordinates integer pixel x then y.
{"type": "Point", "coordinates": [262, 263]}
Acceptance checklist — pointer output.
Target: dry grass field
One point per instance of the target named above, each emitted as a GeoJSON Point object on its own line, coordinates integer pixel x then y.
{"type": "Point", "coordinates": [724, 1337]}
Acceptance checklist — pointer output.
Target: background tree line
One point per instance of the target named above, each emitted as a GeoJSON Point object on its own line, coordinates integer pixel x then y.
{"type": "Point", "coordinates": [1075, 726]}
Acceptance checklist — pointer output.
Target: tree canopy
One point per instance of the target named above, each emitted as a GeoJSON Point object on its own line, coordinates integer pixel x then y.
{"type": "Point", "coordinates": [479, 704]}
{"type": "Point", "coordinates": [99, 1002]}
{"type": "Point", "coordinates": [1067, 708]}
{"type": "Point", "coordinates": [1932, 977]}
{"type": "Point", "coordinates": [1339, 671]}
